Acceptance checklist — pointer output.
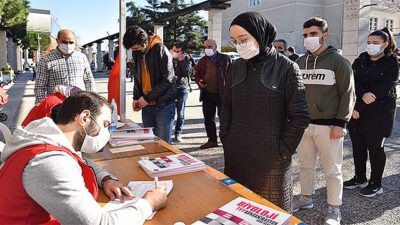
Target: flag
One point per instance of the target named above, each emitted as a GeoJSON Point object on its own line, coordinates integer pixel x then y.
{"type": "Point", "coordinates": [114, 84]}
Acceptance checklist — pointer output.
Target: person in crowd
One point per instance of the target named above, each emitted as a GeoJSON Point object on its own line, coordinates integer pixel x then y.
{"type": "Point", "coordinates": [130, 69]}
{"type": "Point", "coordinates": [47, 180]}
{"type": "Point", "coordinates": [155, 87]}
{"type": "Point", "coordinates": [189, 57]}
{"type": "Point", "coordinates": [211, 72]}
{"type": "Point", "coordinates": [63, 66]}
{"type": "Point", "coordinates": [329, 83]}
{"type": "Point", "coordinates": [182, 69]}
{"type": "Point", "coordinates": [376, 73]}
{"type": "Point", "coordinates": [33, 71]}
{"type": "Point", "coordinates": [264, 112]}
{"type": "Point", "coordinates": [292, 54]}
{"type": "Point", "coordinates": [281, 46]}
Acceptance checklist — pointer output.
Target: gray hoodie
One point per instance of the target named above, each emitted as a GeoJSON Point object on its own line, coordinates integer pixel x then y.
{"type": "Point", "coordinates": [329, 83]}
{"type": "Point", "coordinates": [54, 180]}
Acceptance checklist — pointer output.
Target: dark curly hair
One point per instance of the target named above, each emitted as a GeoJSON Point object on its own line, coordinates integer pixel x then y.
{"type": "Point", "coordinates": [133, 36]}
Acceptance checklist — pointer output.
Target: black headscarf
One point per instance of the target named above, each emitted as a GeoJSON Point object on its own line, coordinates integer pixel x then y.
{"type": "Point", "coordinates": [259, 27]}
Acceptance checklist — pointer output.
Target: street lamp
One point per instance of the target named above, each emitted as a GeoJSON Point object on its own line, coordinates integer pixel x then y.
{"type": "Point", "coordinates": [369, 5]}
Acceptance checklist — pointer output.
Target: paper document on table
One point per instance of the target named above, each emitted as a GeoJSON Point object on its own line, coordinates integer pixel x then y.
{"type": "Point", "coordinates": [130, 125]}
{"type": "Point", "coordinates": [133, 134]}
{"type": "Point", "coordinates": [139, 189]}
{"type": "Point", "coordinates": [126, 148]}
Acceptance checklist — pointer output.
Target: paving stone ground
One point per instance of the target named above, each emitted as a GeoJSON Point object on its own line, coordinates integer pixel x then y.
{"type": "Point", "coordinates": [381, 210]}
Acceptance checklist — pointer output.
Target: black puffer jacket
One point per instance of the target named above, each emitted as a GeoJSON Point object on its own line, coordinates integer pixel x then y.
{"type": "Point", "coordinates": [282, 106]}
{"type": "Point", "coordinates": [160, 66]}
{"type": "Point", "coordinates": [263, 118]}
{"type": "Point", "coordinates": [380, 78]}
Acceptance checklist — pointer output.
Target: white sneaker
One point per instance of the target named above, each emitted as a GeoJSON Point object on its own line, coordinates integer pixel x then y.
{"type": "Point", "coordinates": [333, 217]}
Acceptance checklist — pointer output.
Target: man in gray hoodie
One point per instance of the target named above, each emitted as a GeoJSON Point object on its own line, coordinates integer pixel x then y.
{"type": "Point", "coordinates": [46, 179]}
{"type": "Point", "coordinates": [328, 78]}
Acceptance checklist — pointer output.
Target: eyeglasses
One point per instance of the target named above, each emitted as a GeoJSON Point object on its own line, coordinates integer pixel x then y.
{"type": "Point", "coordinates": [242, 44]}
{"type": "Point", "coordinates": [95, 121]}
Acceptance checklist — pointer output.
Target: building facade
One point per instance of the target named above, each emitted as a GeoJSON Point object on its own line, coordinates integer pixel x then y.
{"type": "Point", "coordinates": [349, 21]}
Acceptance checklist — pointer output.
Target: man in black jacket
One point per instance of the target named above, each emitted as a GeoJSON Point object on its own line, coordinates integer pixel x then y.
{"type": "Point", "coordinates": [182, 68]}
{"type": "Point", "coordinates": [155, 89]}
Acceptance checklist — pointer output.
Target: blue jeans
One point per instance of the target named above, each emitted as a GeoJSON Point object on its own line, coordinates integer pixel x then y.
{"type": "Point", "coordinates": [180, 110]}
{"type": "Point", "coordinates": [161, 118]}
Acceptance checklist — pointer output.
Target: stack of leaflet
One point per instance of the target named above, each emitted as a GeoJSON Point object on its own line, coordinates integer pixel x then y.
{"type": "Point", "coordinates": [171, 165]}
{"type": "Point", "coordinates": [243, 211]}
{"type": "Point", "coordinates": [131, 136]}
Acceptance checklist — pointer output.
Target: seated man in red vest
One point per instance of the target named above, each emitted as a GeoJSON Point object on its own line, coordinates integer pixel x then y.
{"type": "Point", "coordinates": [47, 107]}
{"type": "Point", "coordinates": [45, 180]}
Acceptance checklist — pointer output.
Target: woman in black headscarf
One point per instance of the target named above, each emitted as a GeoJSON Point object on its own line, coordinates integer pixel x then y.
{"type": "Point", "coordinates": [264, 112]}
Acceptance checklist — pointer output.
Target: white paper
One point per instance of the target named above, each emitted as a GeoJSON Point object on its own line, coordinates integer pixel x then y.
{"type": "Point", "coordinates": [139, 189]}
{"type": "Point", "coordinates": [126, 148]}
{"type": "Point", "coordinates": [120, 124]}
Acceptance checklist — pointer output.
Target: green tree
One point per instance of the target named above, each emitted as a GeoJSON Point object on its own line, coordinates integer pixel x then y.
{"type": "Point", "coordinates": [185, 30]}
{"type": "Point", "coordinates": [14, 14]}
{"type": "Point", "coordinates": [31, 40]}
{"type": "Point", "coordinates": [136, 17]}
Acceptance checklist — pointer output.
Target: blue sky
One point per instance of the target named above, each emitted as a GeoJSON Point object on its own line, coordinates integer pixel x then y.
{"type": "Point", "coordinates": [90, 19]}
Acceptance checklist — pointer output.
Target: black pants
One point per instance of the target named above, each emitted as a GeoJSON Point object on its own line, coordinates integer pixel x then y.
{"type": "Point", "coordinates": [211, 102]}
{"type": "Point", "coordinates": [364, 143]}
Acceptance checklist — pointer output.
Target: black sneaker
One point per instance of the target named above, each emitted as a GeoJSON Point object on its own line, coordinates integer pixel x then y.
{"type": "Point", "coordinates": [355, 183]}
{"type": "Point", "coordinates": [178, 138]}
{"type": "Point", "coordinates": [371, 190]}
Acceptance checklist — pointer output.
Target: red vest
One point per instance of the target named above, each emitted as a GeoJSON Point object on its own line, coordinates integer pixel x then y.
{"type": "Point", "coordinates": [16, 206]}
{"type": "Point", "coordinates": [44, 108]}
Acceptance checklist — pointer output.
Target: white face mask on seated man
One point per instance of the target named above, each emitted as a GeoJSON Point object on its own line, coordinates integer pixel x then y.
{"type": "Point", "coordinates": [94, 143]}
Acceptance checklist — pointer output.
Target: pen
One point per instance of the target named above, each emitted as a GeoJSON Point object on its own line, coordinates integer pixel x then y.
{"type": "Point", "coordinates": [156, 182]}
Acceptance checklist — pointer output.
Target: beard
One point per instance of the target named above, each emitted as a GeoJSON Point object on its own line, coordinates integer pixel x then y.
{"type": "Point", "coordinates": [80, 135]}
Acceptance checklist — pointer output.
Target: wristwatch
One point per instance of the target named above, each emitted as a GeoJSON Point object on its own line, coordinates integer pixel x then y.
{"type": "Point", "coordinates": [106, 178]}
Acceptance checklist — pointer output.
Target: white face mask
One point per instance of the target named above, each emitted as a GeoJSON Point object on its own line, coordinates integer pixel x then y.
{"type": "Point", "coordinates": [209, 52]}
{"type": "Point", "coordinates": [312, 44]}
{"type": "Point", "coordinates": [249, 51]}
{"type": "Point", "coordinates": [96, 143]}
{"type": "Point", "coordinates": [66, 49]}
{"type": "Point", "coordinates": [175, 55]}
{"type": "Point", "coordinates": [374, 49]}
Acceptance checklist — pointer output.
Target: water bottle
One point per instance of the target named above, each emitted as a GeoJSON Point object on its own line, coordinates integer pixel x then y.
{"type": "Point", "coordinates": [114, 116]}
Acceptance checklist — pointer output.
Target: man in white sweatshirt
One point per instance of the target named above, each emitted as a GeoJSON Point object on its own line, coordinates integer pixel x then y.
{"type": "Point", "coordinates": [44, 178]}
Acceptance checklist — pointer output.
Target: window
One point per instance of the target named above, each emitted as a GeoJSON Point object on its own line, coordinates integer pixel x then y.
{"type": "Point", "coordinates": [389, 24]}
{"type": "Point", "coordinates": [373, 24]}
{"type": "Point", "coordinates": [254, 3]}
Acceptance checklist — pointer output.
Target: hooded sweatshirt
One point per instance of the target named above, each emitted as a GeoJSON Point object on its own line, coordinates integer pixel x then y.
{"type": "Point", "coordinates": [330, 91]}
{"type": "Point", "coordinates": [54, 180]}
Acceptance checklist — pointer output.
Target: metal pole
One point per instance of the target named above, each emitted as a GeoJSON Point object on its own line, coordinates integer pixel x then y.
{"type": "Point", "coordinates": [38, 54]}
{"type": "Point", "coordinates": [122, 58]}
